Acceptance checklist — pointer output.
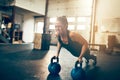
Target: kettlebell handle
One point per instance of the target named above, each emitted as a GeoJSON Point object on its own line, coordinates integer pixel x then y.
{"type": "Point", "coordinates": [78, 64]}
{"type": "Point", "coordinates": [54, 57]}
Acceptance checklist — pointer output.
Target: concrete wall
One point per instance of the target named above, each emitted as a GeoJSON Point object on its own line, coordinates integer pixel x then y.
{"type": "Point", "coordinates": [108, 9]}
{"type": "Point", "coordinates": [37, 6]}
{"type": "Point", "coordinates": [28, 28]}
{"type": "Point", "coordinates": [107, 20]}
{"type": "Point", "coordinates": [69, 7]}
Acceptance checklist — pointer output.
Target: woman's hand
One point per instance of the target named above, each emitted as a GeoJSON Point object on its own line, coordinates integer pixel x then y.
{"type": "Point", "coordinates": [80, 60]}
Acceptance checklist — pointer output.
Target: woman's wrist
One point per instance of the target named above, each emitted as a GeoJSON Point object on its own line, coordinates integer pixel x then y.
{"type": "Point", "coordinates": [79, 59]}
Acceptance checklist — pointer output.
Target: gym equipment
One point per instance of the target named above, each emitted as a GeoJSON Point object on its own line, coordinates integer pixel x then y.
{"type": "Point", "coordinates": [53, 77]}
{"type": "Point", "coordinates": [54, 67]}
{"type": "Point", "coordinates": [78, 73]}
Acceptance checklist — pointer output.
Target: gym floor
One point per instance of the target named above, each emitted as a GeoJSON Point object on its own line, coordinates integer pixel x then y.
{"type": "Point", "coordinates": [21, 62]}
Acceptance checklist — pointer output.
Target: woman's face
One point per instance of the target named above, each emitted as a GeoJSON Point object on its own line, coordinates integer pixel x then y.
{"type": "Point", "coordinates": [60, 28]}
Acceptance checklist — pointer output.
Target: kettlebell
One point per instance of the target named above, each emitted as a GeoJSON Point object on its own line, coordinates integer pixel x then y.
{"type": "Point", "coordinates": [77, 73]}
{"type": "Point", "coordinates": [54, 67]}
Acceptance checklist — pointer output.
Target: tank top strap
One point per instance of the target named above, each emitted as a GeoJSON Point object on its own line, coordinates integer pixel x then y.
{"type": "Point", "coordinates": [59, 39]}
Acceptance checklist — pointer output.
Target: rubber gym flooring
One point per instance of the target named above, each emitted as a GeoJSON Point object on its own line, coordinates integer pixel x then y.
{"type": "Point", "coordinates": [22, 62]}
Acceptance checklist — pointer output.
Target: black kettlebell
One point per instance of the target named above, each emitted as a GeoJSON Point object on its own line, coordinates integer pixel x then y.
{"type": "Point", "coordinates": [77, 73]}
{"type": "Point", "coordinates": [54, 67]}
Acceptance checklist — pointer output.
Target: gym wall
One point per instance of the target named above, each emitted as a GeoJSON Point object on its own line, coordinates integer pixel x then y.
{"type": "Point", "coordinates": [107, 20]}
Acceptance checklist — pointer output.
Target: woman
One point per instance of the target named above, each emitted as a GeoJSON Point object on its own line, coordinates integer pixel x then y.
{"type": "Point", "coordinates": [71, 41]}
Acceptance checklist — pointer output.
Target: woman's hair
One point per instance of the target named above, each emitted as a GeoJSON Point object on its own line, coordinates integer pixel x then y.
{"type": "Point", "coordinates": [63, 20]}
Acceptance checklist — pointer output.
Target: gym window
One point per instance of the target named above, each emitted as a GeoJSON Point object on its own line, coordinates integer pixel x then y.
{"type": "Point", "coordinates": [51, 26]}
{"type": "Point", "coordinates": [71, 27]}
{"type": "Point", "coordinates": [81, 27]}
{"type": "Point", "coordinates": [71, 19]}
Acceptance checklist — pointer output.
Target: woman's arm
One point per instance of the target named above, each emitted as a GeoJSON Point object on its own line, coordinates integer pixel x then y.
{"type": "Point", "coordinates": [58, 49]}
{"type": "Point", "coordinates": [58, 45]}
{"type": "Point", "coordinates": [78, 38]}
{"type": "Point", "coordinates": [84, 47]}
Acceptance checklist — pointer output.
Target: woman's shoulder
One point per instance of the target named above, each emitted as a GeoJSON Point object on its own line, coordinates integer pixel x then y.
{"type": "Point", "coordinates": [75, 36]}
{"type": "Point", "coordinates": [73, 33]}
